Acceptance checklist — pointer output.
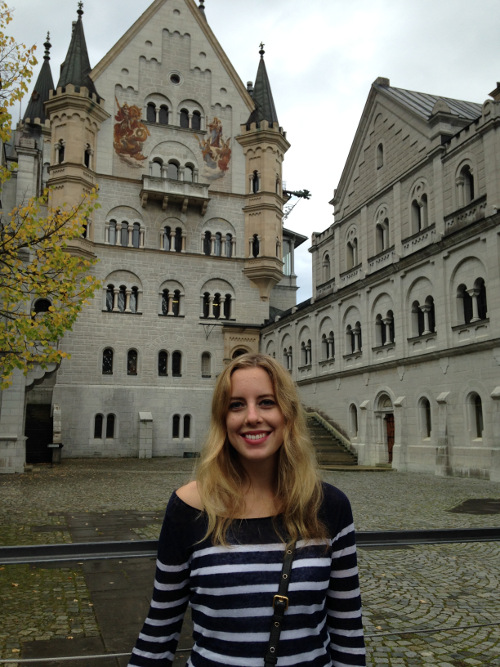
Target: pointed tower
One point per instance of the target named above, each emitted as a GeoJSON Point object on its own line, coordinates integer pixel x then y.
{"type": "Point", "coordinates": [76, 112]}
{"type": "Point", "coordinates": [33, 136]}
{"type": "Point", "coordinates": [264, 145]}
{"type": "Point", "coordinates": [35, 111]}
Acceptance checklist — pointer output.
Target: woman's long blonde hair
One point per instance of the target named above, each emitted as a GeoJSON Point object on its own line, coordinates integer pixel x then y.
{"type": "Point", "coordinates": [221, 477]}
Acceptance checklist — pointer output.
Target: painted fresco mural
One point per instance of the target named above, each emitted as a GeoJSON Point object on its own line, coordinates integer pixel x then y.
{"type": "Point", "coordinates": [216, 151]}
{"type": "Point", "coordinates": [130, 133]}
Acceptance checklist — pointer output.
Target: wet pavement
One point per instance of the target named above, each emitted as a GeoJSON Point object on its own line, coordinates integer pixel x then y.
{"type": "Point", "coordinates": [423, 605]}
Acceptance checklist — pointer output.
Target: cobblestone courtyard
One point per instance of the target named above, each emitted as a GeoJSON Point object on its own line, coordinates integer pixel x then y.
{"type": "Point", "coordinates": [423, 605]}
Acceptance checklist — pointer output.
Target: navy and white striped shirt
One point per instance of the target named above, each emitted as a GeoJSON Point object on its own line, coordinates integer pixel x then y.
{"type": "Point", "coordinates": [231, 589]}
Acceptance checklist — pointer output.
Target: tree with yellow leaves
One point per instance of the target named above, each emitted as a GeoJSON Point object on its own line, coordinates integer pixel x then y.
{"type": "Point", "coordinates": [43, 282]}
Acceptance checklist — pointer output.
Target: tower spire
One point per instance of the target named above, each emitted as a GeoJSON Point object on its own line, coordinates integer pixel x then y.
{"type": "Point", "coordinates": [76, 67]}
{"type": "Point", "coordinates": [262, 95]}
{"type": "Point", "coordinates": [35, 111]}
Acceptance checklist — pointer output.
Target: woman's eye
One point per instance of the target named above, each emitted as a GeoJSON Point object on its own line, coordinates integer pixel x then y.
{"type": "Point", "coordinates": [268, 403]}
{"type": "Point", "coordinates": [235, 405]}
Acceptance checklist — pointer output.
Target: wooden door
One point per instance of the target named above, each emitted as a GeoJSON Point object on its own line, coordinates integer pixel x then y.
{"type": "Point", "coordinates": [39, 433]}
{"type": "Point", "coordinates": [389, 422]}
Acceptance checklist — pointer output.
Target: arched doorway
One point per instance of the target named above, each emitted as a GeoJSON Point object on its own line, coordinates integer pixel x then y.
{"type": "Point", "coordinates": [39, 433]}
{"type": "Point", "coordinates": [385, 412]}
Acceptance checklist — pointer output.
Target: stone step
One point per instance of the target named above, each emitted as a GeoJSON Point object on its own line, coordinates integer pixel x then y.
{"type": "Point", "coordinates": [329, 449]}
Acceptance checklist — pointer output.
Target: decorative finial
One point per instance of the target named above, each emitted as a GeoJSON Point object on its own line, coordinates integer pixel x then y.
{"type": "Point", "coordinates": [48, 46]}
{"type": "Point", "coordinates": [261, 49]}
{"type": "Point", "coordinates": [202, 5]}
{"type": "Point", "coordinates": [80, 9]}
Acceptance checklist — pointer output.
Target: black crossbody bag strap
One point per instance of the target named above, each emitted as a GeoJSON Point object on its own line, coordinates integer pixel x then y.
{"type": "Point", "coordinates": [280, 605]}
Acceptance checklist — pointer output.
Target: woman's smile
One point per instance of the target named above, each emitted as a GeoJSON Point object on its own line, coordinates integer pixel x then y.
{"type": "Point", "coordinates": [254, 422]}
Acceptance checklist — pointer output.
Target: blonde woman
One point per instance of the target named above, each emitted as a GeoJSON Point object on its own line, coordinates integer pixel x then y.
{"type": "Point", "coordinates": [223, 540]}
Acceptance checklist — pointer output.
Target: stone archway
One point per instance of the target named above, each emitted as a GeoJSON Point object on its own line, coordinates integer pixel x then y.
{"type": "Point", "coordinates": [385, 415]}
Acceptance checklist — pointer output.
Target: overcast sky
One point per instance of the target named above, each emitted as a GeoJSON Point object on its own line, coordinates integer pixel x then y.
{"type": "Point", "coordinates": [321, 57]}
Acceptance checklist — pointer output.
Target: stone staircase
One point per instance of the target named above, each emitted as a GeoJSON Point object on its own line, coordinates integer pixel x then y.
{"type": "Point", "coordinates": [332, 449]}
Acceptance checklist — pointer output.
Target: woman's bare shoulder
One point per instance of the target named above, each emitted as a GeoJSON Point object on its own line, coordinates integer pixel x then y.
{"type": "Point", "coordinates": [190, 495]}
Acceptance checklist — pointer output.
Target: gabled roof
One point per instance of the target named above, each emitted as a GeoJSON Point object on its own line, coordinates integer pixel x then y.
{"type": "Point", "coordinates": [200, 16]}
{"type": "Point", "coordinates": [262, 96]}
{"type": "Point", "coordinates": [419, 109]}
{"type": "Point", "coordinates": [423, 103]}
{"type": "Point", "coordinates": [76, 67]}
{"type": "Point", "coordinates": [44, 84]}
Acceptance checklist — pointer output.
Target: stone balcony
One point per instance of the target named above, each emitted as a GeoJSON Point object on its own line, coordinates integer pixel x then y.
{"type": "Point", "coordinates": [418, 240]}
{"type": "Point", "coordinates": [473, 212]}
{"type": "Point", "coordinates": [170, 191]}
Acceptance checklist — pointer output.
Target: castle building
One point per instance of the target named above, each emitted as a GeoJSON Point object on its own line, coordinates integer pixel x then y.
{"type": "Point", "coordinates": [400, 342]}
{"type": "Point", "coordinates": [192, 255]}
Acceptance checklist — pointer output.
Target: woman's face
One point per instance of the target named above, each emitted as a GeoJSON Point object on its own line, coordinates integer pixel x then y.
{"type": "Point", "coordinates": [254, 422]}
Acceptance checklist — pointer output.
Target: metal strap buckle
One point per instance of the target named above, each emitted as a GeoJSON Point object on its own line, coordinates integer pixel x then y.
{"type": "Point", "coordinates": [280, 599]}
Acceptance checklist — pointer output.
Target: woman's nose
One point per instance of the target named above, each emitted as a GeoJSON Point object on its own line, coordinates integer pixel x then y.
{"type": "Point", "coordinates": [253, 414]}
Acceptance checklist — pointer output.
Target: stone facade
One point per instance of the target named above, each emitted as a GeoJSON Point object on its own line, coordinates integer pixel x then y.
{"type": "Point", "coordinates": [401, 340]}
{"type": "Point", "coordinates": [188, 235]}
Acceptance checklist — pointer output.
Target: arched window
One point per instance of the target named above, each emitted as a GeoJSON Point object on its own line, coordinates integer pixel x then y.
{"type": "Point", "coordinates": [110, 426]}
{"type": "Point", "coordinates": [466, 300]}
{"type": "Point", "coordinates": [255, 182]}
{"type": "Point", "coordinates": [425, 418]}
{"type": "Point", "coordinates": [379, 331]}
{"type": "Point", "coordinates": [177, 364]}
{"type": "Point", "coordinates": [112, 232]}
{"type": "Point", "coordinates": [151, 112]}
{"type": "Point", "coordinates": [228, 307]}
{"type": "Point", "coordinates": [384, 329]}
{"type": "Point", "coordinates": [475, 410]}
{"type": "Point", "coordinates": [480, 295]}
{"type": "Point", "coordinates": [206, 304]}
{"type": "Point", "coordinates": [328, 346]}
{"type": "Point", "coordinates": [216, 305]}
{"type": "Point", "coordinates": [468, 184]}
{"type": "Point", "coordinates": [207, 243]}
{"type": "Point", "coordinates": [134, 299]}
{"type": "Point", "coordinates": [255, 245]}
{"type": "Point", "coordinates": [163, 115]}
{"type": "Point", "coordinates": [382, 234]}
{"type": "Point", "coordinates": [229, 245]}
{"type": "Point", "coordinates": [187, 426]}
{"type": "Point", "coordinates": [136, 235]}
{"type": "Point", "coordinates": [98, 424]}
{"type": "Point", "coordinates": [206, 363]}
{"type": "Point", "coordinates": [184, 118]}
{"type": "Point", "coordinates": [353, 419]}
{"type": "Point", "coordinates": [196, 120]}
{"type": "Point", "coordinates": [132, 362]}
{"type": "Point", "coordinates": [326, 268]}
{"type": "Point", "coordinates": [156, 166]}
{"type": "Point", "coordinates": [188, 173]}
{"type": "Point", "coordinates": [122, 298]}
{"type": "Point", "coordinates": [60, 151]}
{"type": "Point", "coordinates": [163, 363]}
{"type": "Point", "coordinates": [176, 426]}
{"type": "Point", "coordinates": [288, 358]}
{"type": "Point", "coordinates": [107, 361]}
{"type": "Point", "coordinates": [218, 244]}
{"type": "Point", "coordinates": [478, 416]}
{"type": "Point", "coordinates": [353, 339]}
{"type": "Point", "coordinates": [417, 319]}
{"type": "Point", "coordinates": [173, 170]}
{"type": "Point", "coordinates": [352, 253]}
{"type": "Point", "coordinates": [380, 156]}
{"type": "Point", "coordinates": [41, 306]}
{"type": "Point", "coordinates": [87, 156]}
{"type": "Point", "coordinates": [124, 234]}
{"type": "Point", "coordinates": [110, 297]}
